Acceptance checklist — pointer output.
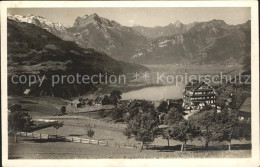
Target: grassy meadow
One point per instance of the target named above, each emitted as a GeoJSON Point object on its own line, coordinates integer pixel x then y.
{"type": "Point", "coordinates": [106, 130]}
{"type": "Point", "coordinates": [30, 149]}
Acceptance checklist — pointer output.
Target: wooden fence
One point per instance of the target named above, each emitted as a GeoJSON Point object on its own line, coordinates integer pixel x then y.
{"type": "Point", "coordinates": [45, 120]}
{"type": "Point", "coordinates": [75, 139]}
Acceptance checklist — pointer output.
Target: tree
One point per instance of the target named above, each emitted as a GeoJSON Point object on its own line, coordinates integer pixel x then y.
{"type": "Point", "coordinates": [98, 100]}
{"type": "Point", "coordinates": [115, 96]}
{"type": "Point", "coordinates": [135, 107]}
{"type": "Point", "coordinates": [19, 121]}
{"type": "Point", "coordinates": [28, 123]}
{"type": "Point", "coordinates": [183, 131]}
{"type": "Point", "coordinates": [105, 100]}
{"type": "Point", "coordinates": [208, 123]}
{"type": "Point", "coordinates": [163, 107]}
{"type": "Point", "coordinates": [57, 125]}
{"type": "Point", "coordinates": [90, 102]}
{"type": "Point", "coordinates": [144, 125]}
{"type": "Point", "coordinates": [63, 109]}
{"type": "Point", "coordinates": [102, 113]}
{"type": "Point", "coordinates": [167, 135]}
{"type": "Point", "coordinates": [228, 128]}
{"type": "Point", "coordinates": [117, 114]}
{"type": "Point", "coordinates": [90, 132]}
{"type": "Point", "coordinates": [162, 118]}
{"type": "Point", "coordinates": [132, 109]}
{"type": "Point", "coordinates": [120, 113]}
{"type": "Point", "coordinates": [223, 126]}
{"type": "Point", "coordinates": [80, 99]}
{"type": "Point", "coordinates": [245, 130]}
{"type": "Point", "coordinates": [177, 104]}
{"type": "Point", "coordinates": [173, 116]}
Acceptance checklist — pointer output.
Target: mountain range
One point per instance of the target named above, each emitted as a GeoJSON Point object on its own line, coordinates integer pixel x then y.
{"type": "Point", "coordinates": [204, 43]}
{"type": "Point", "coordinates": [159, 31]}
{"type": "Point", "coordinates": [35, 51]}
{"type": "Point", "coordinates": [200, 42]}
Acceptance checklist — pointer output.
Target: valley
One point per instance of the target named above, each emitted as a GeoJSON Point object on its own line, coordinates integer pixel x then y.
{"type": "Point", "coordinates": [164, 106]}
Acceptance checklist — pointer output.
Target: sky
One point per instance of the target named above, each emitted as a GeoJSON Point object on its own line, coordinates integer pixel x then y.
{"type": "Point", "coordinates": [148, 17]}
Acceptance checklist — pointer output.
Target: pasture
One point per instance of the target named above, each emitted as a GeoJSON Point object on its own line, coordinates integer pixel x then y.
{"type": "Point", "coordinates": [112, 133]}
{"type": "Point", "coordinates": [38, 106]}
{"type": "Point", "coordinates": [75, 125]}
{"type": "Point", "coordinates": [29, 149]}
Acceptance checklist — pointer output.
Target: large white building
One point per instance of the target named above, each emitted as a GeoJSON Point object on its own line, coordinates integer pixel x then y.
{"type": "Point", "coordinates": [197, 95]}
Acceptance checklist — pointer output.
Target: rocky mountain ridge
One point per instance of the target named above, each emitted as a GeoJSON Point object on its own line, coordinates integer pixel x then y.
{"type": "Point", "coordinates": [200, 42]}
{"type": "Point", "coordinates": [35, 51]}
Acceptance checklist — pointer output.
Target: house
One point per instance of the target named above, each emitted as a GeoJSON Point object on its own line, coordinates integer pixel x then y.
{"type": "Point", "coordinates": [198, 94]}
{"type": "Point", "coordinates": [244, 112]}
{"type": "Point", "coordinates": [219, 109]}
{"type": "Point", "coordinates": [228, 101]}
{"type": "Point", "coordinates": [76, 104]}
{"type": "Point", "coordinates": [27, 91]}
{"type": "Point", "coordinates": [222, 103]}
{"type": "Point", "coordinates": [98, 100]}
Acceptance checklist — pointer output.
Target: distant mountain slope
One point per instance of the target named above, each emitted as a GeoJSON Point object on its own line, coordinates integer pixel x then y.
{"type": "Point", "coordinates": [207, 42]}
{"type": "Point", "coordinates": [53, 27]}
{"type": "Point", "coordinates": [104, 35]}
{"type": "Point", "coordinates": [92, 31]}
{"type": "Point", "coordinates": [199, 42]}
{"type": "Point", "coordinates": [161, 31]}
{"type": "Point", "coordinates": [32, 50]}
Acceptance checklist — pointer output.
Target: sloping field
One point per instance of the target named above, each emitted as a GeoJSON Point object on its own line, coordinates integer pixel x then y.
{"type": "Point", "coordinates": [61, 150]}
{"type": "Point", "coordinates": [38, 106]}
{"type": "Point", "coordinates": [111, 132]}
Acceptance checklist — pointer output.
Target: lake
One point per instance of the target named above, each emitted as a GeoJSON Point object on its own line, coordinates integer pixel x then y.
{"type": "Point", "coordinates": [155, 93]}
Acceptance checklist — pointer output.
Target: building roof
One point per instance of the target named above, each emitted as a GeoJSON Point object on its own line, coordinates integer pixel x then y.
{"type": "Point", "coordinates": [246, 106]}
{"type": "Point", "coordinates": [229, 100]}
{"type": "Point", "coordinates": [199, 90]}
{"type": "Point", "coordinates": [76, 101]}
{"type": "Point", "coordinates": [202, 100]}
{"type": "Point", "coordinates": [27, 91]}
{"type": "Point", "coordinates": [203, 95]}
{"type": "Point", "coordinates": [195, 85]}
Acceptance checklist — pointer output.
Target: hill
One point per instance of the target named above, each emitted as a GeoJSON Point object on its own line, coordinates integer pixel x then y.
{"type": "Point", "coordinates": [33, 50]}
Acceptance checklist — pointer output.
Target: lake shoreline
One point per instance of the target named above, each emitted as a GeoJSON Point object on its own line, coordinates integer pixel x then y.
{"type": "Point", "coordinates": [155, 93]}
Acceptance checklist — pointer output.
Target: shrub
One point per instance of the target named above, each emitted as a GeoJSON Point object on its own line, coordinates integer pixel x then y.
{"type": "Point", "coordinates": [90, 132]}
{"type": "Point", "coordinates": [101, 113]}
{"type": "Point", "coordinates": [63, 109]}
{"type": "Point", "coordinates": [117, 114]}
{"type": "Point", "coordinates": [105, 100]}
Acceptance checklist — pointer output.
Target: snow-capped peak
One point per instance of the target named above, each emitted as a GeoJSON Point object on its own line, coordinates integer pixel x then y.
{"type": "Point", "coordinates": [38, 21]}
